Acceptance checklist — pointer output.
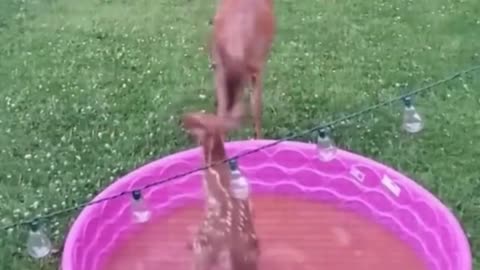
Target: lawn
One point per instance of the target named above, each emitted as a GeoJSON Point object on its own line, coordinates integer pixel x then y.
{"type": "Point", "coordinates": [94, 88]}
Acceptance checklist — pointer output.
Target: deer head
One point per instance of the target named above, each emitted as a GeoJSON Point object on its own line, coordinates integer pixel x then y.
{"type": "Point", "coordinates": [209, 131]}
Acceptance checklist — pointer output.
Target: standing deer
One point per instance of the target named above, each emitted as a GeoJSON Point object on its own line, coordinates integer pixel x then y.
{"type": "Point", "coordinates": [226, 237]}
{"type": "Point", "coordinates": [243, 32]}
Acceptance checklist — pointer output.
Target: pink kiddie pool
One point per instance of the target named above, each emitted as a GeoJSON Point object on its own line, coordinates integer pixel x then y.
{"type": "Point", "coordinates": [348, 213]}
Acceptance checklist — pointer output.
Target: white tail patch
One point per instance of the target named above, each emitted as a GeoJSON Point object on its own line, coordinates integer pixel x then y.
{"type": "Point", "coordinates": [389, 184]}
{"type": "Point", "coordinates": [357, 174]}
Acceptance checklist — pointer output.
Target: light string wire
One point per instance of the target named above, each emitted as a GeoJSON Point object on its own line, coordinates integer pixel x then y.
{"type": "Point", "coordinates": [329, 124]}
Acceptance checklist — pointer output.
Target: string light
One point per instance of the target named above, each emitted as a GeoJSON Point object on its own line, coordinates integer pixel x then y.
{"type": "Point", "coordinates": [38, 244]}
{"type": "Point", "coordinates": [239, 184]}
{"type": "Point", "coordinates": [325, 146]}
{"type": "Point", "coordinates": [412, 121]}
{"type": "Point", "coordinates": [140, 211]}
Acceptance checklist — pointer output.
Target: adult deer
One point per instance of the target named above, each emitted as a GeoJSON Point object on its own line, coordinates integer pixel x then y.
{"type": "Point", "coordinates": [226, 237]}
{"type": "Point", "coordinates": [243, 32]}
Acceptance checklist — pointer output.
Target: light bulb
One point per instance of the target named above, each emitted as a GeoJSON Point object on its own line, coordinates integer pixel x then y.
{"type": "Point", "coordinates": [325, 146]}
{"type": "Point", "coordinates": [38, 244]}
{"type": "Point", "coordinates": [140, 211]}
{"type": "Point", "coordinates": [412, 121]}
{"type": "Point", "coordinates": [240, 187]}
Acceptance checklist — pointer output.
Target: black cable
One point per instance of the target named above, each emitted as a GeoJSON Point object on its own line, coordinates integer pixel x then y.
{"type": "Point", "coordinates": [302, 133]}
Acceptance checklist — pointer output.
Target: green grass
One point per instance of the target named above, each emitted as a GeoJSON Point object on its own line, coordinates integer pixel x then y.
{"type": "Point", "coordinates": [91, 89]}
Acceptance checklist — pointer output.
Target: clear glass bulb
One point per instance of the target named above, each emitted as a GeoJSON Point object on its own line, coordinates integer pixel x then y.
{"type": "Point", "coordinates": [326, 147]}
{"type": "Point", "coordinates": [239, 184]}
{"type": "Point", "coordinates": [412, 121]}
{"type": "Point", "coordinates": [38, 243]}
{"type": "Point", "coordinates": [140, 211]}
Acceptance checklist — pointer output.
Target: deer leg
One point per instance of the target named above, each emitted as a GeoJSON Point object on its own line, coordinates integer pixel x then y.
{"type": "Point", "coordinates": [205, 257]}
{"type": "Point", "coordinates": [256, 103]}
{"type": "Point", "coordinates": [236, 114]}
{"type": "Point", "coordinates": [246, 259]}
{"type": "Point", "coordinates": [201, 262]}
{"type": "Point", "coordinates": [220, 93]}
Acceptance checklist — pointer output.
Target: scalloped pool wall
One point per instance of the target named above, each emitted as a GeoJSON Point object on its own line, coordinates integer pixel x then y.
{"type": "Point", "coordinates": [290, 168]}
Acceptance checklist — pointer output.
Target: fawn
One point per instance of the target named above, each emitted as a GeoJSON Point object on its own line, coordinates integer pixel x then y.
{"type": "Point", "coordinates": [226, 237]}
{"type": "Point", "coordinates": [243, 33]}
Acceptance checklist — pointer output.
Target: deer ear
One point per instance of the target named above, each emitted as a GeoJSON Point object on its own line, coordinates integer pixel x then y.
{"type": "Point", "coordinates": [191, 125]}
{"type": "Point", "coordinates": [191, 121]}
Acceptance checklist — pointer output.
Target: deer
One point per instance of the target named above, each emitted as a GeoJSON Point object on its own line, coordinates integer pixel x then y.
{"type": "Point", "coordinates": [226, 237]}
{"type": "Point", "coordinates": [240, 43]}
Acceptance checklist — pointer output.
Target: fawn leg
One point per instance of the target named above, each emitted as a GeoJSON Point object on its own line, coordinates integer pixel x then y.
{"type": "Point", "coordinates": [205, 257]}
{"type": "Point", "coordinates": [245, 258]}
{"type": "Point", "coordinates": [256, 103]}
{"type": "Point", "coordinates": [201, 262]}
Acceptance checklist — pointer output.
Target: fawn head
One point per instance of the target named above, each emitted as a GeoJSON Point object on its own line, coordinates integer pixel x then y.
{"type": "Point", "coordinates": [209, 131]}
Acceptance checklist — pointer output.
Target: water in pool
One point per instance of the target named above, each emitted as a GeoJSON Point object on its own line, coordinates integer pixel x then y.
{"type": "Point", "coordinates": [295, 234]}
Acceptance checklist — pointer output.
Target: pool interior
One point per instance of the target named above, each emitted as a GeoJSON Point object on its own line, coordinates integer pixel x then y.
{"type": "Point", "coordinates": [294, 233]}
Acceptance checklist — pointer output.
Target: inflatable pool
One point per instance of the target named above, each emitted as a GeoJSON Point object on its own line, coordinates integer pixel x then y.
{"type": "Point", "coordinates": [287, 170]}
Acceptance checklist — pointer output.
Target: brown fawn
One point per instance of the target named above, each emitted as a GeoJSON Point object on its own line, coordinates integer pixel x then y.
{"type": "Point", "coordinates": [243, 32]}
{"type": "Point", "coordinates": [226, 237]}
